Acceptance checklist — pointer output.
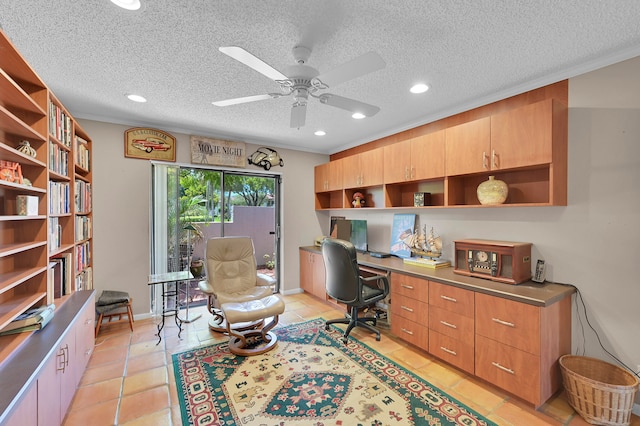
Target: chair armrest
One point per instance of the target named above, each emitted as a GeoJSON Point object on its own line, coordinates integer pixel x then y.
{"type": "Point", "coordinates": [381, 277]}
{"type": "Point", "coordinates": [265, 280]}
{"type": "Point", "coordinates": [205, 287]}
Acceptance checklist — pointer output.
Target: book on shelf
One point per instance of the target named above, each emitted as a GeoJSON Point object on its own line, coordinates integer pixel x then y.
{"type": "Point", "coordinates": [427, 263]}
{"type": "Point", "coordinates": [62, 275]}
{"type": "Point", "coordinates": [32, 319]}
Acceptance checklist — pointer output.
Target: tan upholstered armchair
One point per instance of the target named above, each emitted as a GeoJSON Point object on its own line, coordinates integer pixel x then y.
{"type": "Point", "coordinates": [230, 263]}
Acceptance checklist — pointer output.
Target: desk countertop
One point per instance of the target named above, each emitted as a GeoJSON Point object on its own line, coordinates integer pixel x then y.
{"type": "Point", "coordinates": [529, 292]}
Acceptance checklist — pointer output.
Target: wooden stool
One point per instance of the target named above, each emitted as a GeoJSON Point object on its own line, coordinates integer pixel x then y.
{"type": "Point", "coordinates": [263, 340]}
{"type": "Point", "coordinates": [112, 304]}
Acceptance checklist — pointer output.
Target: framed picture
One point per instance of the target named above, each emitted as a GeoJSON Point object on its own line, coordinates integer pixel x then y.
{"type": "Point", "coordinates": [401, 234]}
{"type": "Point", "coordinates": [149, 144]}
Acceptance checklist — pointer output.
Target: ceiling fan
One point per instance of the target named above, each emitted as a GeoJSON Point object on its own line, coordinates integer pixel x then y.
{"type": "Point", "coordinates": [302, 81]}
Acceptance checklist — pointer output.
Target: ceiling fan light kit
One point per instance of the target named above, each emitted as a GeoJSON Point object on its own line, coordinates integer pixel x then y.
{"type": "Point", "coordinates": [303, 81]}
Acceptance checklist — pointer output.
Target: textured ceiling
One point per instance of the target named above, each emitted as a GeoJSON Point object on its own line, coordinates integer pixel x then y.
{"type": "Point", "coordinates": [91, 53]}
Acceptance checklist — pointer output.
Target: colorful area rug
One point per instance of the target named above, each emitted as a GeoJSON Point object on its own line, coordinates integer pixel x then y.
{"type": "Point", "coordinates": [310, 378]}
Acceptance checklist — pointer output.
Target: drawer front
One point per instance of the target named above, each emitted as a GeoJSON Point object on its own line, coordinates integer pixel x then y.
{"type": "Point", "coordinates": [410, 331]}
{"type": "Point", "coordinates": [451, 324]}
{"type": "Point", "coordinates": [415, 288]}
{"type": "Point", "coordinates": [453, 351]}
{"type": "Point", "coordinates": [451, 298]}
{"type": "Point", "coordinates": [411, 309]}
{"type": "Point", "coordinates": [511, 369]}
{"type": "Point", "coordinates": [513, 323]}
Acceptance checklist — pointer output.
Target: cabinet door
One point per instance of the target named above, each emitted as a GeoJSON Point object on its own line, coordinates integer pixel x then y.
{"type": "Point", "coordinates": [427, 156]}
{"type": "Point", "coordinates": [321, 177]}
{"type": "Point", "coordinates": [372, 167]}
{"type": "Point", "coordinates": [397, 162]}
{"type": "Point", "coordinates": [523, 136]}
{"type": "Point", "coordinates": [306, 272]}
{"type": "Point", "coordinates": [26, 413]}
{"type": "Point", "coordinates": [334, 177]}
{"type": "Point", "coordinates": [317, 266]}
{"type": "Point", "coordinates": [468, 147]}
{"type": "Point", "coordinates": [351, 171]}
{"type": "Point", "coordinates": [84, 335]}
{"type": "Point", "coordinates": [49, 385]}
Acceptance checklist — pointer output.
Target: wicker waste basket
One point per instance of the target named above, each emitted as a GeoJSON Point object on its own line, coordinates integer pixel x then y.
{"type": "Point", "coordinates": [602, 393]}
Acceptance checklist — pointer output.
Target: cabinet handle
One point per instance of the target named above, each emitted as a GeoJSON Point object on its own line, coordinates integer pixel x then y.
{"type": "Point", "coordinates": [499, 321]}
{"type": "Point", "coordinates": [412, 172]}
{"type": "Point", "coordinates": [448, 325]}
{"type": "Point", "coordinates": [493, 159]}
{"type": "Point", "coordinates": [406, 309]}
{"type": "Point", "coordinates": [485, 160]}
{"type": "Point", "coordinates": [406, 172]}
{"type": "Point", "coordinates": [449, 351]}
{"type": "Point", "coordinates": [407, 331]}
{"type": "Point", "coordinates": [450, 299]}
{"type": "Point", "coordinates": [508, 370]}
{"type": "Point", "coordinates": [409, 287]}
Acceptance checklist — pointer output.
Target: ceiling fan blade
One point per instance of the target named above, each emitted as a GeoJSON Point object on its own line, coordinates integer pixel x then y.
{"type": "Point", "coordinates": [241, 55]}
{"type": "Point", "coordinates": [357, 67]}
{"type": "Point", "coordinates": [298, 115]}
{"type": "Point", "coordinates": [349, 104]}
{"type": "Point", "coordinates": [246, 99]}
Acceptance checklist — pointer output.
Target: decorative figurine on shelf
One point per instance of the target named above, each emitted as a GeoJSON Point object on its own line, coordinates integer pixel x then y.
{"type": "Point", "coordinates": [358, 200]}
{"type": "Point", "coordinates": [10, 172]}
{"type": "Point", "coordinates": [26, 148]}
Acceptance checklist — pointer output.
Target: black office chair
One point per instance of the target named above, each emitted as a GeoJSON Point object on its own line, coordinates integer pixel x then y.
{"type": "Point", "coordinates": [345, 284]}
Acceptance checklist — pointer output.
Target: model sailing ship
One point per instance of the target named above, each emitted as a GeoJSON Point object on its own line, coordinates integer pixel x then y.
{"type": "Point", "coordinates": [426, 249]}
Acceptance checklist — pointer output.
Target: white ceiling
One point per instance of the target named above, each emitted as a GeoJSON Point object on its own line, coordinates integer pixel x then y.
{"type": "Point", "coordinates": [91, 53]}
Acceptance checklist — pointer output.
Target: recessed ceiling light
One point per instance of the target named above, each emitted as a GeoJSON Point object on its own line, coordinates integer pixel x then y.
{"type": "Point", "coordinates": [136, 98]}
{"type": "Point", "coordinates": [419, 88]}
{"type": "Point", "coordinates": [358, 116]}
{"type": "Point", "coordinates": [127, 4]}
{"type": "Point", "coordinates": [320, 133]}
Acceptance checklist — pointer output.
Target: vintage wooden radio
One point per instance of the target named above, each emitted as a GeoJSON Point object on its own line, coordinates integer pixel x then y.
{"type": "Point", "coordinates": [502, 261]}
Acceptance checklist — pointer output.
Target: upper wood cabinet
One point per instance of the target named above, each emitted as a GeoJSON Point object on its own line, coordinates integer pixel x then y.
{"type": "Point", "coordinates": [524, 136]}
{"type": "Point", "coordinates": [328, 176]}
{"type": "Point", "coordinates": [468, 147]}
{"type": "Point", "coordinates": [419, 158]}
{"type": "Point", "coordinates": [364, 169]}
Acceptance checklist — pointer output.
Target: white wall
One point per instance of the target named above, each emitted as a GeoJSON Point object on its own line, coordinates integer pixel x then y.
{"type": "Point", "coordinates": [121, 211]}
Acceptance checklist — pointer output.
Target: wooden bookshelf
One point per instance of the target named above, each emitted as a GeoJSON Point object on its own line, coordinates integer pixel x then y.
{"type": "Point", "coordinates": [29, 111]}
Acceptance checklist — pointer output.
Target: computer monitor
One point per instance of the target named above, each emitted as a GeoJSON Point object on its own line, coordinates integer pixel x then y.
{"type": "Point", "coordinates": [353, 230]}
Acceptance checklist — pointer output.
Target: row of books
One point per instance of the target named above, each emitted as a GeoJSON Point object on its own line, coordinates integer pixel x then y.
{"type": "Point", "coordinates": [32, 319]}
{"type": "Point", "coordinates": [84, 280]}
{"type": "Point", "coordinates": [84, 229]}
{"type": "Point", "coordinates": [83, 256]}
{"type": "Point", "coordinates": [83, 155]}
{"type": "Point", "coordinates": [61, 271]}
{"type": "Point", "coordinates": [58, 159]}
{"type": "Point", "coordinates": [60, 124]}
{"type": "Point", "coordinates": [59, 193]}
{"type": "Point", "coordinates": [83, 196]}
{"type": "Point", "coordinates": [55, 234]}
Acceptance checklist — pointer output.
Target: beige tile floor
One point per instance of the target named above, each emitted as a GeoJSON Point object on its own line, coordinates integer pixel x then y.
{"type": "Point", "coordinates": [129, 379]}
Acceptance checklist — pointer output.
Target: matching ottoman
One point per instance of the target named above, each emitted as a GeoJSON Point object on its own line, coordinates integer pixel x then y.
{"type": "Point", "coordinates": [255, 341]}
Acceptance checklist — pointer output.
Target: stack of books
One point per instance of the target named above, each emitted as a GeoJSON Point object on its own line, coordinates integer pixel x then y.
{"type": "Point", "coordinates": [33, 319]}
{"type": "Point", "coordinates": [427, 263]}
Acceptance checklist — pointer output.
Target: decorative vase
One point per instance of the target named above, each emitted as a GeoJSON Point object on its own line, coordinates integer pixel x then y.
{"type": "Point", "coordinates": [492, 191]}
{"type": "Point", "coordinates": [25, 148]}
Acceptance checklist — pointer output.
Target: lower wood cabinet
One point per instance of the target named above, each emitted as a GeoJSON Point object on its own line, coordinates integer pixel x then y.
{"type": "Point", "coordinates": [410, 309]}
{"type": "Point", "coordinates": [50, 365]}
{"type": "Point", "coordinates": [312, 274]}
{"type": "Point", "coordinates": [518, 345]}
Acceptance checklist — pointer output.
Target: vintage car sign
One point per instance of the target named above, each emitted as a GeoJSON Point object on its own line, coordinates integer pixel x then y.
{"type": "Point", "coordinates": [149, 144]}
{"type": "Point", "coordinates": [217, 152]}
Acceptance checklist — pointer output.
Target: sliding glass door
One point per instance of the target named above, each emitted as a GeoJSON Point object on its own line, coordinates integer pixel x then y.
{"type": "Point", "coordinates": [192, 204]}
